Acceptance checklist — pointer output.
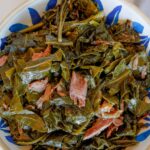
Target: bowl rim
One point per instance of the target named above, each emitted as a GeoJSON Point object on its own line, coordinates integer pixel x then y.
{"type": "Point", "coordinates": [10, 15]}
{"type": "Point", "coordinates": [15, 11]}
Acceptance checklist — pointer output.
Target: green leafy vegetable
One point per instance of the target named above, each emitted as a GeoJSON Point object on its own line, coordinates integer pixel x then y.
{"type": "Point", "coordinates": [65, 71]}
{"type": "Point", "coordinates": [33, 121]}
{"type": "Point", "coordinates": [72, 82]}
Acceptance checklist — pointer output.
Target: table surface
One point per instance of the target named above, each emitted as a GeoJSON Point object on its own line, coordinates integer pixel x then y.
{"type": "Point", "coordinates": [6, 8]}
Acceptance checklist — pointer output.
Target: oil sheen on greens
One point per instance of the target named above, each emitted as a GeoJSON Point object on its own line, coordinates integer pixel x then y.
{"type": "Point", "coordinates": [72, 82]}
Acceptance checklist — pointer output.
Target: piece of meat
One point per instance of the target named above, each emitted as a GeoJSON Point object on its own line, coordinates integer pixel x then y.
{"type": "Point", "coordinates": [3, 60]}
{"type": "Point", "coordinates": [135, 62]}
{"type": "Point", "coordinates": [113, 114]}
{"type": "Point", "coordinates": [47, 52]}
{"type": "Point", "coordinates": [97, 128]}
{"type": "Point", "coordinates": [118, 121]}
{"type": "Point", "coordinates": [99, 42]}
{"type": "Point", "coordinates": [61, 93]}
{"type": "Point", "coordinates": [110, 130]}
{"type": "Point", "coordinates": [38, 86]}
{"type": "Point", "coordinates": [114, 127]}
{"type": "Point", "coordinates": [146, 99]}
{"type": "Point", "coordinates": [78, 89]}
{"type": "Point", "coordinates": [22, 135]}
{"type": "Point", "coordinates": [122, 105]}
{"type": "Point", "coordinates": [144, 72]}
{"type": "Point", "coordinates": [60, 89]}
{"type": "Point", "coordinates": [105, 107]}
{"type": "Point", "coordinates": [5, 106]}
{"type": "Point", "coordinates": [36, 56]}
{"type": "Point", "coordinates": [106, 110]}
{"type": "Point", "coordinates": [30, 107]}
{"type": "Point", "coordinates": [47, 95]}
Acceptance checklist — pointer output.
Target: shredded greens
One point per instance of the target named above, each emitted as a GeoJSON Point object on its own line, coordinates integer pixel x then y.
{"type": "Point", "coordinates": [72, 82]}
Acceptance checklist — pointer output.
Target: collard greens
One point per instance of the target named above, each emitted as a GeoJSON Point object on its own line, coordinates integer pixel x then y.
{"type": "Point", "coordinates": [72, 82]}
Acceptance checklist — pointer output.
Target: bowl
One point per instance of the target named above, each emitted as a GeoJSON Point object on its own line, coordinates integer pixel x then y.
{"type": "Point", "coordinates": [31, 12]}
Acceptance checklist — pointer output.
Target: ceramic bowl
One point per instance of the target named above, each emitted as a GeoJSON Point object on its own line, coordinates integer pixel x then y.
{"type": "Point", "coordinates": [31, 12]}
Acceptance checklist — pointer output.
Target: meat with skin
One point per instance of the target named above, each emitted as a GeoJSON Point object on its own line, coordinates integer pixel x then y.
{"type": "Point", "coordinates": [105, 107]}
{"type": "Point", "coordinates": [135, 62]}
{"type": "Point", "coordinates": [42, 54]}
{"type": "Point", "coordinates": [78, 89]}
{"type": "Point", "coordinates": [122, 106]}
{"type": "Point", "coordinates": [60, 92]}
{"type": "Point", "coordinates": [97, 128]}
{"type": "Point", "coordinates": [47, 96]}
{"type": "Point", "coordinates": [110, 130]}
{"type": "Point", "coordinates": [102, 124]}
{"type": "Point", "coordinates": [38, 86]}
{"type": "Point", "coordinates": [144, 72]}
{"type": "Point", "coordinates": [47, 51]}
{"type": "Point", "coordinates": [106, 110]}
{"type": "Point", "coordinates": [60, 89]}
{"type": "Point", "coordinates": [3, 60]}
{"type": "Point", "coordinates": [114, 127]}
{"type": "Point", "coordinates": [118, 121]}
{"type": "Point", "coordinates": [113, 114]}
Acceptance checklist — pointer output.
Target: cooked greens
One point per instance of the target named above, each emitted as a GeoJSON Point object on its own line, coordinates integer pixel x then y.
{"type": "Point", "coordinates": [72, 82]}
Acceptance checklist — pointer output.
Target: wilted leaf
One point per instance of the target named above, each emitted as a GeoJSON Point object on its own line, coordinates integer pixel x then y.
{"type": "Point", "coordinates": [33, 121]}
{"type": "Point", "coordinates": [65, 71]}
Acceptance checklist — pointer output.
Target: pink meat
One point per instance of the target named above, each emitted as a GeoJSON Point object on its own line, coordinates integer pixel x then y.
{"type": "Point", "coordinates": [135, 62]}
{"type": "Point", "coordinates": [118, 122]}
{"type": "Point", "coordinates": [3, 60]}
{"type": "Point", "coordinates": [144, 72]}
{"type": "Point", "coordinates": [38, 86]}
{"type": "Point", "coordinates": [97, 128]}
{"type": "Point", "coordinates": [42, 54]}
{"type": "Point", "coordinates": [60, 90]}
{"type": "Point", "coordinates": [114, 127]}
{"type": "Point", "coordinates": [78, 89]}
{"type": "Point", "coordinates": [113, 114]}
{"type": "Point", "coordinates": [105, 107]}
{"type": "Point", "coordinates": [110, 130]}
{"type": "Point", "coordinates": [47, 96]}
